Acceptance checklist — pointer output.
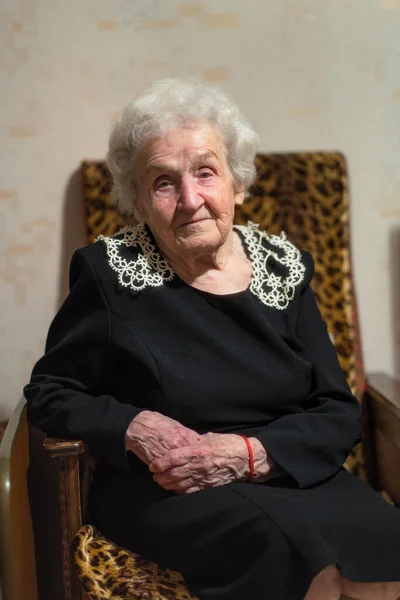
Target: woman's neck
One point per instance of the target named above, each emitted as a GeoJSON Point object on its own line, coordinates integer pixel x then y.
{"type": "Point", "coordinates": [224, 270]}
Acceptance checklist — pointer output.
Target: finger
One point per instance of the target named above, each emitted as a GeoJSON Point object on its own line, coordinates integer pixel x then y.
{"type": "Point", "coordinates": [193, 489]}
{"type": "Point", "coordinates": [175, 474]}
{"type": "Point", "coordinates": [175, 458]}
{"type": "Point", "coordinates": [179, 487]}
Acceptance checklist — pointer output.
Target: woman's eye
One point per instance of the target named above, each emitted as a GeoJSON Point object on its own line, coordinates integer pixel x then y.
{"type": "Point", "coordinates": [163, 184]}
{"type": "Point", "coordinates": [205, 174]}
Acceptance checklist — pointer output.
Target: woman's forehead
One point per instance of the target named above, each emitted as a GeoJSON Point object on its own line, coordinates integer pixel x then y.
{"type": "Point", "coordinates": [183, 145]}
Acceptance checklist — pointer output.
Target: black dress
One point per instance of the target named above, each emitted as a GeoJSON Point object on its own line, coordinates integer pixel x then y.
{"type": "Point", "coordinates": [131, 336]}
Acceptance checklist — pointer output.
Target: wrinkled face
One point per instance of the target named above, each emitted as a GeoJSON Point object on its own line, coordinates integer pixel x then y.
{"type": "Point", "coordinates": [185, 191]}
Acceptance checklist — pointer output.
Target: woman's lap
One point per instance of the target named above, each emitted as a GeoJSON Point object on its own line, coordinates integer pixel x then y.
{"type": "Point", "coordinates": [242, 534]}
{"type": "Point", "coordinates": [224, 545]}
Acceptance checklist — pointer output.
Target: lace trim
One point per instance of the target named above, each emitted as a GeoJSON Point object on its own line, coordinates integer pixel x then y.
{"type": "Point", "coordinates": [150, 269]}
{"type": "Point", "coordinates": [273, 290]}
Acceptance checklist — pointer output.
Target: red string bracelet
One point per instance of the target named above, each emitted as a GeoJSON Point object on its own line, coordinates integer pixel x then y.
{"type": "Point", "coordinates": [251, 456]}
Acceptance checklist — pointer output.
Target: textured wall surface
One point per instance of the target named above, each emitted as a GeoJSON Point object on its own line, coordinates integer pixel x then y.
{"type": "Point", "coordinates": [310, 74]}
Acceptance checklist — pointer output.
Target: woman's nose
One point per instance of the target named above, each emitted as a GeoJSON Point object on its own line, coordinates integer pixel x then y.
{"type": "Point", "coordinates": [189, 198]}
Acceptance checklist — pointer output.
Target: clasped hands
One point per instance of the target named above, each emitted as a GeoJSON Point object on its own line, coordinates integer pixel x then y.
{"type": "Point", "coordinates": [184, 461]}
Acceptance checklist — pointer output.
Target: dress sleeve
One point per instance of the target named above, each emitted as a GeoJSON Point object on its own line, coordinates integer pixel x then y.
{"type": "Point", "coordinates": [312, 445]}
{"type": "Point", "coordinates": [66, 395]}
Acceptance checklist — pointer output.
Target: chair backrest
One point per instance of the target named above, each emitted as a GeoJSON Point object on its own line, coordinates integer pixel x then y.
{"type": "Point", "coordinates": [304, 194]}
{"type": "Point", "coordinates": [17, 553]}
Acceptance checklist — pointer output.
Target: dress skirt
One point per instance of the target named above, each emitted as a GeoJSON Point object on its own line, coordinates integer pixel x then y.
{"type": "Point", "coordinates": [259, 541]}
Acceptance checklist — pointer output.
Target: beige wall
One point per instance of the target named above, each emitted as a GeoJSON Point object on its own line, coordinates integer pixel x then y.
{"type": "Point", "coordinates": [310, 74]}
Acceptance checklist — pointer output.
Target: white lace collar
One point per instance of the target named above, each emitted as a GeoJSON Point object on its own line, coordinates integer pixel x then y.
{"type": "Point", "coordinates": [150, 269]}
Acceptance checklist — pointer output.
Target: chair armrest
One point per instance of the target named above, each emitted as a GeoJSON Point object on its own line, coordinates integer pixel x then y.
{"type": "Point", "coordinates": [56, 448]}
{"type": "Point", "coordinates": [68, 451]}
{"type": "Point", "coordinates": [384, 397]}
{"type": "Point", "coordinates": [386, 390]}
{"type": "Point", "coordinates": [17, 550]}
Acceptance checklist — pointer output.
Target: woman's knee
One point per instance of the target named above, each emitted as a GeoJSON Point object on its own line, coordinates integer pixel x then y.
{"type": "Point", "coordinates": [371, 591]}
{"type": "Point", "coordinates": [326, 585]}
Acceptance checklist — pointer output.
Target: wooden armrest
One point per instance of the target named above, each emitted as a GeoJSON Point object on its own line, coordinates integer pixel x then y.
{"type": "Point", "coordinates": [55, 447]}
{"type": "Point", "coordinates": [17, 549]}
{"type": "Point", "coordinates": [386, 391]}
{"type": "Point", "coordinates": [70, 505]}
{"type": "Point", "coordinates": [384, 401]}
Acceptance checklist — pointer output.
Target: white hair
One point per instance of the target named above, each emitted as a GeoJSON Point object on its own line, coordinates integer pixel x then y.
{"type": "Point", "coordinates": [172, 103]}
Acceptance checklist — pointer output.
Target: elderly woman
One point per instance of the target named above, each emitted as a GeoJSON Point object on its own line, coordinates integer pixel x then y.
{"type": "Point", "coordinates": [191, 356]}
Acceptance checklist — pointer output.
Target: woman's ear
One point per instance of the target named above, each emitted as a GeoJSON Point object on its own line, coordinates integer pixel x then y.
{"type": "Point", "coordinates": [136, 210]}
{"type": "Point", "coordinates": [239, 196]}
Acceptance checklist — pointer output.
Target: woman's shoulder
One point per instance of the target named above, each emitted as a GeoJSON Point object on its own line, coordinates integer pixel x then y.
{"type": "Point", "coordinates": [106, 248]}
{"type": "Point", "coordinates": [254, 236]}
{"type": "Point", "coordinates": [131, 257]}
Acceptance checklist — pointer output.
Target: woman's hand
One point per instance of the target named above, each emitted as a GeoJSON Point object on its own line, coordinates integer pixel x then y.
{"type": "Point", "coordinates": [216, 459]}
{"type": "Point", "coordinates": [151, 435]}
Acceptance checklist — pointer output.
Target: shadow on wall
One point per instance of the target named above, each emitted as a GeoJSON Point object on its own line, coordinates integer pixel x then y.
{"type": "Point", "coordinates": [395, 294]}
{"type": "Point", "coordinates": [73, 229]}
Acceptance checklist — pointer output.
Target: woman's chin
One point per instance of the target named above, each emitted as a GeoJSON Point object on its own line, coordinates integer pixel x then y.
{"type": "Point", "coordinates": [195, 226]}
{"type": "Point", "coordinates": [193, 239]}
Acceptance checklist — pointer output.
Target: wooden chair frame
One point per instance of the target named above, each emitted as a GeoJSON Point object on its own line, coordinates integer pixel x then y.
{"type": "Point", "coordinates": [17, 554]}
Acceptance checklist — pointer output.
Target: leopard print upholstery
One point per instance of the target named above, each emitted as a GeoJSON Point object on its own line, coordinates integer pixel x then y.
{"type": "Point", "coordinates": [108, 571]}
{"type": "Point", "coordinates": [306, 195]}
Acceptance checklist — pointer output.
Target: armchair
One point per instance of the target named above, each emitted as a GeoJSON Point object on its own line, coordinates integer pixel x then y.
{"type": "Point", "coordinates": [306, 195]}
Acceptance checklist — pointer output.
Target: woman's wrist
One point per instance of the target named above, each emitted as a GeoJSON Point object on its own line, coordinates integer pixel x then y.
{"type": "Point", "coordinates": [263, 463]}
{"type": "Point", "coordinates": [134, 433]}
